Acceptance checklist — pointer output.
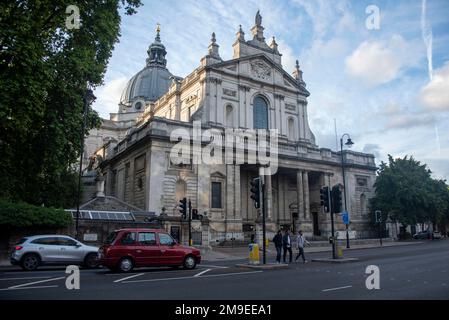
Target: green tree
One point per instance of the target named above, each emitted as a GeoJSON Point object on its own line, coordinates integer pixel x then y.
{"type": "Point", "coordinates": [45, 68]}
{"type": "Point", "coordinates": [407, 193]}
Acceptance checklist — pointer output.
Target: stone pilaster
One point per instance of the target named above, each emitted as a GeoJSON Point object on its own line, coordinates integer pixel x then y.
{"type": "Point", "coordinates": [237, 192]}
{"type": "Point", "coordinates": [300, 194]}
{"type": "Point", "coordinates": [305, 181]}
{"type": "Point", "coordinates": [269, 193]}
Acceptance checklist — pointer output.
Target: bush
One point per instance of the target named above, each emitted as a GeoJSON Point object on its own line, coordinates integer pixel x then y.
{"type": "Point", "coordinates": [20, 215]}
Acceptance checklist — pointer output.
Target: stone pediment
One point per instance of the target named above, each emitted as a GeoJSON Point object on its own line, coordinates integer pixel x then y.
{"type": "Point", "coordinates": [259, 67]}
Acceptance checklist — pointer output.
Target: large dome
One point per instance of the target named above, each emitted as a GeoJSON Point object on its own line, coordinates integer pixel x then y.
{"type": "Point", "coordinates": [151, 82]}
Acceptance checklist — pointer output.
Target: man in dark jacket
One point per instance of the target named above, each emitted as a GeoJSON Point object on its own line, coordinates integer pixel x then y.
{"type": "Point", "coordinates": [277, 240]}
{"type": "Point", "coordinates": [287, 243]}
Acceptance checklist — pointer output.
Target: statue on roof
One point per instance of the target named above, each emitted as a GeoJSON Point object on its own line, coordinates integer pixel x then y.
{"type": "Point", "coordinates": [258, 19]}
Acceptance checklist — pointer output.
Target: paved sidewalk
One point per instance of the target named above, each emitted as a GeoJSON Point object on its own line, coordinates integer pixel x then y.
{"type": "Point", "coordinates": [242, 252]}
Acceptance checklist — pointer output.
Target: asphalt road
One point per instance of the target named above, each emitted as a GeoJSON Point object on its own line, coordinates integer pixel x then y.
{"type": "Point", "coordinates": [418, 271]}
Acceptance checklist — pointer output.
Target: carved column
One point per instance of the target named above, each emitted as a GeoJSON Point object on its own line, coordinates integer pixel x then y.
{"type": "Point", "coordinates": [269, 197]}
{"type": "Point", "coordinates": [300, 194]}
{"type": "Point", "coordinates": [237, 192]}
{"type": "Point", "coordinates": [249, 109]}
{"type": "Point", "coordinates": [230, 198]}
{"type": "Point", "coordinates": [219, 104]}
{"type": "Point", "coordinates": [282, 129]}
{"type": "Point", "coordinates": [305, 179]}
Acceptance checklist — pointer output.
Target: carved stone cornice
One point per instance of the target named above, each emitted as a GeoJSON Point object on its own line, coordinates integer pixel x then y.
{"type": "Point", "coordinates": [244, 87]}
{"type": "Point", "coordinates": [279, 96]}
{"type": "Point", "coordinates": [214, 80]}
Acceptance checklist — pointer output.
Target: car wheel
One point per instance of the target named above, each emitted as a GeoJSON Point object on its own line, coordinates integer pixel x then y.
{"type": "Point", "coordinates": [30, 262]}
{"type": "Point", "coordinates": [125, 265]}
{"type": "Point", "coordinates": [91, 260]}
{"type": "Point", "coordinates": [189, 262]}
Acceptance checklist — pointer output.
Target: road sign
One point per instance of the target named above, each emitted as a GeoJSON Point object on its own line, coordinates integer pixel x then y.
{"type": "Point", "coordinates": [345, 217]}
{"type": "Point", "coordinates": [378, 216]}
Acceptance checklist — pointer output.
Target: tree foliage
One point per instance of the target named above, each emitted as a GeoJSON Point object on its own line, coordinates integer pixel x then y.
{"type": "Point", "coordinates": [21, 215]}
{"type": "Point", "coordinates": [44, 71]}
{"type": "Point", "coordinates": [407, 193]}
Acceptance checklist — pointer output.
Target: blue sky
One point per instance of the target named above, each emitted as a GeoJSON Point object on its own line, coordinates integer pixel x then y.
{"type": "Point", "coordinates": [388, 87]}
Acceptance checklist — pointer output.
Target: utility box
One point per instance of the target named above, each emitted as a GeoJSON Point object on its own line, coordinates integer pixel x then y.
{"type": "Point", "coordinates": [254, 253]}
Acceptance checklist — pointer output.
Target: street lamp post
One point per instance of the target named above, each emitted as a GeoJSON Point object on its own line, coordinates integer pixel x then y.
{"type": "Point", "coordinates": [87, 99]}
{"type": "Point", "coordinates": [348, 143]}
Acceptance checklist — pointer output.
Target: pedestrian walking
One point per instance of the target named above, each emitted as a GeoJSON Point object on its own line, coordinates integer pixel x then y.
{"type": "Point", "coordinates": [277, 240]}
{"type": "Point", "coordinates": [287, 244]}
{"type": "Point", "coordinates": [301, 241]}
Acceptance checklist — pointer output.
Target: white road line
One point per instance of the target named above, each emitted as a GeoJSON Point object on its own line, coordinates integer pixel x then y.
{"type": "Point", "coordinates": [212, 266]}
{"type": "Point", "coordinates": [116, 274]}
{"type": "Point", "coordinates": [192, 277]}
{"type": "Point", "coordinates": [202, 272]}
{"type": "Point", "coordinates": [25, 288]}
{"type": "Point", "coordinates": [30, 283]}
{"type": "Point", "coordinates": [25, 278]}
{"type": "Point", "coordinates": [130, 277]}
{"type": "Point", "coordinates": [332, 289]}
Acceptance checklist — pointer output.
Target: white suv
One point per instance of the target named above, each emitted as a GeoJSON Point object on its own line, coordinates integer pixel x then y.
{"type": "Point", "coordinates": [31, 252]}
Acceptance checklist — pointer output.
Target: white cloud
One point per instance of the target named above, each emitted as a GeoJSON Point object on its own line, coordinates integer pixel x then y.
{"type": "Point", "coordinates": [108, 96]}
{"type": "Point", "coordinates": [377, 62]}
{"type": "Point", "coordinates": [435, 95]}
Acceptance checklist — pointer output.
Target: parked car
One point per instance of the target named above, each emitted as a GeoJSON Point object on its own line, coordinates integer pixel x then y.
{"type": "Point", "coordinates": [34, 251]}
{"type": "Point", "coordinates": [422, 235]}
{"type": "Point", "coordinates": [128, 248]}
{"type": "Point", "coordinates": [436, 235]}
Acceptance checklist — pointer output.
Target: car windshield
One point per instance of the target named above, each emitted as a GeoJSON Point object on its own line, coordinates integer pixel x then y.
{"type": "Point", "coordinates": [21, 240]}
{"type": "Point", "coordinates": [111, 237]}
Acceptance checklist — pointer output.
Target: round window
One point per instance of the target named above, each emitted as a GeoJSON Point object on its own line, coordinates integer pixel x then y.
{"type": "Point", "coordinates": [138, 105]}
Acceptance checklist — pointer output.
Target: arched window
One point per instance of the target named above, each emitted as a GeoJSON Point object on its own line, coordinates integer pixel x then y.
{"type": "Point", "coordinates": [260, 113]}
{"type": "Point", "coordinates": [229, 116]}
{"type": "Point", "coordinates": [291, 128]}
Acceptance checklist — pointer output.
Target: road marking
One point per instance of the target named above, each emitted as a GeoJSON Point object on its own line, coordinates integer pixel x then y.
{"type": "Point", "coordinates": [213, 266]}
{"type": "Point", "coordinates": [25, 288]}
{"type": "Point", "coordinates": [338, 288]}
{"type": "Point", "coordinates": [25, 278]}
{"type": "Point", "coordinates": [192, 277]}
{"type": "Point", "coordinates": [129, 277]}
{"type": "Point", "coordinates": [202, 272]}
{"type": "Point", "coordinates": [35, 282]}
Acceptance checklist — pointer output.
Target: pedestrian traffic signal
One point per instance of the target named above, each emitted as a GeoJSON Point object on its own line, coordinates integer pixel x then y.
{"type": "Point", "coordinates": [195, 215]}
{"type": "Point", "coordinates": [324, 197]}
{"type": "Point", "coordinates": [255, 192]}
{"type": "Point", "coordinates": [336, 199]}
{"type": "Point", "coordinates": [183, 208]}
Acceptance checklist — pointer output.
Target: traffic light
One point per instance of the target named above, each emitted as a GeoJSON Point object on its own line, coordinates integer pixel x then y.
{"type": "Point", "coordinates": [324, 197]}
{"type": "Point", "coordinates": [255, 192]}
{"type": "Point", "coordinates": [195, 215]}
{"type": "Point", "coordinates": [183, 208]}
{"type": "Point", "coordinates": [336, 199]}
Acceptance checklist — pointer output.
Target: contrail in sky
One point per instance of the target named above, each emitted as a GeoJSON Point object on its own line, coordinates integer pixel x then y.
{"type": "Point", "coordinates": [426, 32]}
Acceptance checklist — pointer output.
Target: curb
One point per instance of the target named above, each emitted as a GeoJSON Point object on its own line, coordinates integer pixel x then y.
{"type": "Point", "coordinates": [263, 266]}
{"type": "Point", "coordinates": [329, 260]}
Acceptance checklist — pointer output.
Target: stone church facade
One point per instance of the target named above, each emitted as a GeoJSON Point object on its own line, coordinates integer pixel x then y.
{"type": "Point", "coordinates": [250, 91]}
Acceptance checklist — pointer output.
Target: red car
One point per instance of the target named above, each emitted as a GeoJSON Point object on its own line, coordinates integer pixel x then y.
{"type": "Point", "coordinates": [129, 248]}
